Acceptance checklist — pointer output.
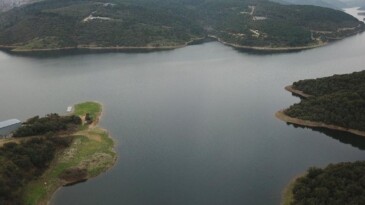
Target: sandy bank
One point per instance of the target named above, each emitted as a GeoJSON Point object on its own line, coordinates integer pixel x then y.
{"type": "Point", "coordinates": [268, 49]}
{"type": "Point", "coordinates": [282, 116]}
{"type": "Point", "coordinates": [297, 92]}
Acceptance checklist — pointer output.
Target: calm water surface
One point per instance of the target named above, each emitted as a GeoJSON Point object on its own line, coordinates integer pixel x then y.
{"type": "Point", "coordinates": [194, 126]}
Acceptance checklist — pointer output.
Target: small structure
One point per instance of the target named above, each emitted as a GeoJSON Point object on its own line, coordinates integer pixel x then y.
{"type": "Point", "coordinates": [9, 126]}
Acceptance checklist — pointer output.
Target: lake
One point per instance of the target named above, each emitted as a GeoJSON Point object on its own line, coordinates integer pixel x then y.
{"type": "Point", "coordinates": [194, 126]}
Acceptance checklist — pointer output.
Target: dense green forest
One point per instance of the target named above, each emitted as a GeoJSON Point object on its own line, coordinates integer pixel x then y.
{"type": "Point", "coordinates": [48, 125]}
{"type": "Point", "coordinates": [23, 162]}
{"type": "Point", "coordinates": [337, 184]}
{"type": "Point", "coordinates": [338, 100]}
{"type": "Point", "coordinates": [166, 23]}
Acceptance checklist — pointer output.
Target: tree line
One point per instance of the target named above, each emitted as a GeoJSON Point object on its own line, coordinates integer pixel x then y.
{"type": "Point", "coordinates": [49, 124]}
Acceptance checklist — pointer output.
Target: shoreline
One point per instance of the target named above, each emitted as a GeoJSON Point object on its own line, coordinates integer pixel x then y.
{"type": "Point", "coordinates": [18, 49]}
{"type": "Point", "coordinates": [268, 49]}
{"type": "Point", "coordinates": [307, 123]}
{"type": "Point", "coordinates": [297, 92]}
{"type": "Point", "coordinates": [287, 192]}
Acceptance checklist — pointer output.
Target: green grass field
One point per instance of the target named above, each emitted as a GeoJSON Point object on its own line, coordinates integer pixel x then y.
{"type": "Point", "coordinates": [93, 108]}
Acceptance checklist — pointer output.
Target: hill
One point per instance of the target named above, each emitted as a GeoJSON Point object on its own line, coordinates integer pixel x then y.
{"type": "Point", "coordinates": [260, 24]}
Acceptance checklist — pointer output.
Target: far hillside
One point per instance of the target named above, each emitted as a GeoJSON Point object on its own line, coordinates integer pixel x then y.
{"type": "Point", "coordinates": [54, 24]}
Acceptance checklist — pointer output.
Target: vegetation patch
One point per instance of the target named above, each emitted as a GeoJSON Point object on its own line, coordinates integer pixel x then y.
{"type": "Point", "coordinates": [93, 108]}
{"type": "Point", "coordinates": [42, 43]}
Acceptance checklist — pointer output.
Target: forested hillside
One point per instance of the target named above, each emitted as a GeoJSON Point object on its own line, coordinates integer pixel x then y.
{"type": "Point", "coordinates": [170, 23]}
{"type": "Point", "coordinates": [337, 100]}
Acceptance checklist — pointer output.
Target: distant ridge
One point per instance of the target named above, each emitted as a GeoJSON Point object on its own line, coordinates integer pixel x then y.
{"type": "Point", "coordinates": [165, 24]}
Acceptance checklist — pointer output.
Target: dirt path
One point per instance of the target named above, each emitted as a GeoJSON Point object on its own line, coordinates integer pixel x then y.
{"type": "Point", "coordinates": [252, 10]}
{"type": "Point", "coordinates": [7, 140]}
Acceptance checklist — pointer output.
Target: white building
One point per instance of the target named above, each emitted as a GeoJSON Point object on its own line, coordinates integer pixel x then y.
{"type": "Point", "coordinates": [9, 126]}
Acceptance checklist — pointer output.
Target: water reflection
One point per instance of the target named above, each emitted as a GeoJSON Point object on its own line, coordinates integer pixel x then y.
{"type": "Point", "coordinates": [344, 137]}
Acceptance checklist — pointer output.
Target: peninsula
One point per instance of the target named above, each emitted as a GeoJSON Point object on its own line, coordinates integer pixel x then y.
{"type": "Point", "coordinates": [335, 102]}
{"type": "Point", "coordinates": [59, 151]}
{"type": "Point", "coordinates": [259, 25]}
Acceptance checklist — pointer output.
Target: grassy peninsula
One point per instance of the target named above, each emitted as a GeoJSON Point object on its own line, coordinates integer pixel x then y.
{"type": "Point", "coordinates": [335, 102]}
{"type": "Point", "coordinates": [74, 152]}
{"type": "Point", "coordinates": [337, 184]}
{"type": "Point", "coordinates": [167, 24]}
